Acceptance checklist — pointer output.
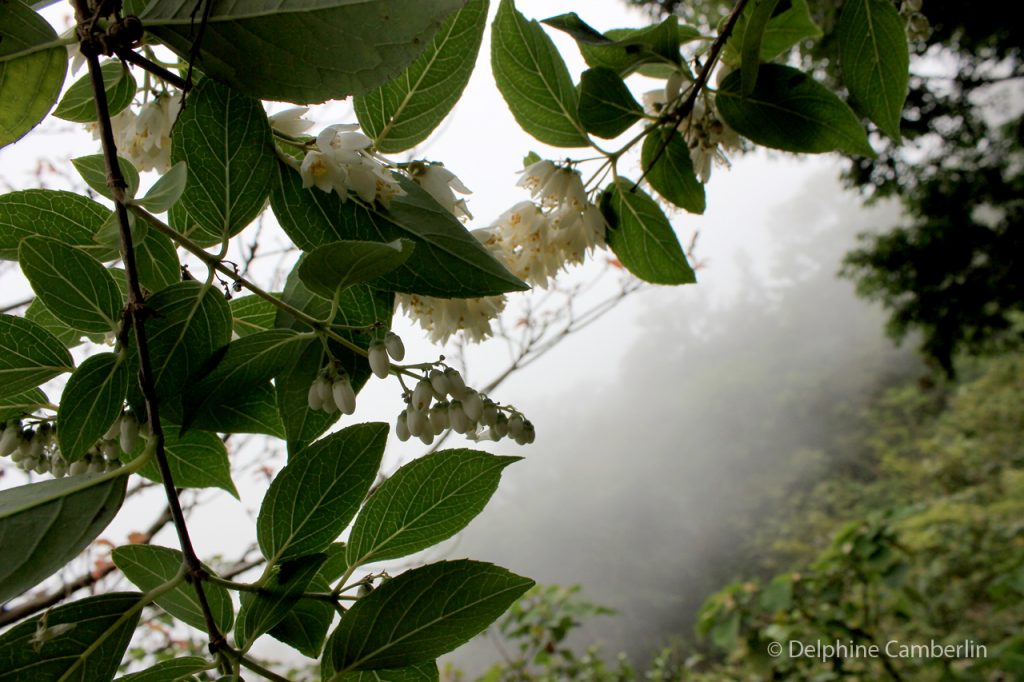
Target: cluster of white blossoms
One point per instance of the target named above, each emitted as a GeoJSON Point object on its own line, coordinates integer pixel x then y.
{"type": "Point", "coordinates": [343, 162]}
{"type": "Point", "coordinates": [442, 184]}
{"type": "Point", "coordinates": [707, 136]}
{"type": "Point", "coordinates": [36, 450]}
{"type": "Point", "coordinates": [144, 136]}
{"type": "Point", "coordinates": [430, 412]}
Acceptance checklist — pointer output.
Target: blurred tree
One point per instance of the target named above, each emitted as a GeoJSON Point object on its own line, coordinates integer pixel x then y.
{"type": "Point", "coordinates": [951, 270]}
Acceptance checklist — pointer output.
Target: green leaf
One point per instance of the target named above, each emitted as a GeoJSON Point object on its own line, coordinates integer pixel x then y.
{"type": "Point", "coordinates": [78, 105]}
{"type": "Point", "coordinates": [18, 405]}
{"type": "Point", "coordinates": [251, 314]}
{"type": "Point", "coordinates": [534, 80]}
{"type": "Point", "coordinates": [447, 261]}
{"type": "Point", "coordinates": [302, 51]}
{"type": "Point", "coordinates": [252, 411]}
{"type": "Point", "coordinates": [783, 31]}
{"type": "Point", "coordinates": [421, 672]}
{"type": "Point", "coordinates": [750, 53]}
{"type": "Point", "coordinates": [581, 31]}
{"type": "Point", "coordinates": [157, 261]}
{"type": "Point", "coordinates": [32, 70]}
{"type": "Point", "coordinates": [197, 459]}
{"type": "Point", "coordinates": [167, 190]}
{"type": "Point", "coordinates": [423, 503]}
{"type": "Point", "coordinates": [305, 626]}
{"type": "Point", "coordinates": [875, 59]}
{"type": "Point", "coordinates": [149, 566]}
{"type": "Point", "coordinates": [669, 167]}
{"type": "Point", "coordinates": [302, 424]}
{"type": "Point", "coordinates": [179, 220]}
{"type": "Point", "coordinates": [607, 107]}
{"type": "Point", "coordinates": [187, 322]}
{"type": "Point", "coordinates": [224, 138]}
{"type": "Point", "coordinates": [641, 236]}
{"type": "Point", "coordinates": [240, 366]}
{"type": "Point", "coordinates": [314, 497]}
{"type": "Point", "coordinates": [82, 641]}
{"type": "Point", "coordinates": [174, 670]}
{"type": "Point", "coordinates": [40, 314]}
{"type": "Point", "coordinates": [404, 111]}
{"type": "Point", "coordinates": [262, 610]}
{"type": "Point", "coordinates": [31, 356]}
{"type": "Point", "coordinates": [69, 217]}
{"type": "Point", "coordinates": [634, 48]}
{"type": "Point", "coordinates": [789, 110]}
{"type": "Point", "coordinates": [339, 265]}
{"type": "Point", "coordinates": [92, 400]}
{"type": "Point", "coordinates": [93, 170]}
{"type": "Point", "coordinates": [422, 614]}
{"type": "Point", "coordinates": [73, 285]}
{"type": "Point", "coordinates": [45, 525]}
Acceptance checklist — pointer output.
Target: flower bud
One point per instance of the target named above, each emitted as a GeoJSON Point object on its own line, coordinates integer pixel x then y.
{"type": "Point", "coordinates": [35, 450]}
{"type": "Point", "coordinates": [59, 467]}
{"type": "Point", "coordinates": [129, 433]}
{"type": "Point", "coordinates": [456, 386]}
{"type": "Point", "coordinates": [110, 449]}
{"type": "Point", "coordinates": [97, 466]}
{"type": "Point", "coordinates": [10, 439]}
{"type": "Point", "coordinates": [393, 344]}
{"type": "Point", "coordinates": [489, 416]}
{"type": "Point", "coordinates": [501, 427]}
{"type": "Point", "coordinates": [402, 427]}
{"type": "Point", "coordinates": [42, 465]}
{"type": "Point", "coordinates": [27, 463]}
{"type": "Point", "coordinates": [422, 394]}
{"type": "Point", "coordinates": [457, 416]}
{"type": "Point", "coordinates": [515, 426]}
{"type": "Point", "coordinates": [78, 468]}
{"type": "Point", "coordinates": [439, 417]}
{"type": "Point", "coordinates": [115, 429]}
{"type": "Point", "coordinates": [415, 420]}
{"type": "Point", "coordinates": [313, 398]}
{"type": "Point", "coordinates": [378, 357]}
{"type": "Point", "coordinates": [25, 444]}
{"type": "Point", "coordinates": [440, 382]}
{"type": "Point", "coordinates": [473, 405]}
{"type": "Point", "coordinates": [344, 396]}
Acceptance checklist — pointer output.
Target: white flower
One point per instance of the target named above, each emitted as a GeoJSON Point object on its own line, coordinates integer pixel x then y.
{"type": "Point", "coordinates": [144, 138]}
{"type": "Point", "coordinates": [343, 162]}
{"type": "Point", "coordinates": [443, 317]}
{"type": "Point", "coordinates": [574, 234]}
{"type": "Point", "coordinates": [319, 171]}
{"type": "Point", "coordinates": [523, 235]}
{"type": "Point", "coordinates": [291, 122]}
{"type": "Point", "coordinates": [554, 185]}
{"type": "Point", "coordinates": [442, 184]}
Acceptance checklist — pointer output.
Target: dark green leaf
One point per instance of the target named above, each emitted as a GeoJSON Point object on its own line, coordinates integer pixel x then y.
{"type": "Point", "coordinates": [425, 502]}
{"type": "Point", "coordinates": [66, 216]}
{"type": "Point", "coordinates": [791, 111]}
{"type": "Point", "coordinates": [241, 366]}
{"type": "Point", "coordinates": [37, 312]}
{"type": "Point", "coordinates": [447, 260]}
{"type": "Point", "coordinates": [421, 672]}
{"type": "Point", "coordinates": [607, 108]}
{"type": "Point", "coordinates": [92, 400]}
{"type": "Point", "coordinates": [157, 262]}
{"type": "Point", "coordinates": [336, 564]}
{"type": "Point", "coordinates": [82, 641]}
{"type": "Point", "coordinates": [422, 614]}
{"type": "Point", "coordinates": [225, 139]}
{"type": "Point", "coordinates": [875, 59]}
{"type": "Point", "coordinates": [636, 48]}
{"type": "Point", "coordinates": [404, 111]}
{"type": "Point", "coordinates": [534, 80]}
{"type": "Point", "coordinates": [580, 30]}
{"type": "Point", "coordinates": [78, 105]}
{"type": "Point", "coordinates": [31, 356]}
{"type": "Point", "coordinates": [252, 411]}
{"type": "Point", "coordinates": [314, 497]}
{"type": "Point", "coordinates": [251, 314]}
{"type": "Point", "coordinates": [750, 53]}
{"type": "Point", "coordinates": [339, 265]}
{"type": "Point", "coordinates": [641, 236]}
{"type": "Point", "coordinates": [167, 190]}
{"type": "Point", "coordinates": [93, 170]}
{"type": "Point", "coordinates": [305, 626]}
{"type": "Point", "coordinates": [45, 525]}
{"type": "Point", "coordinates": [73, 285]}
{"type": "Point", "coordinates": [784, 30]}
{"type": "Point", "coordinates": [197, 459]}
{"type": "Point", "coordinates": [149, 566]}
{"type": "Point", "coordinates": [262, 610]}
{"type": "Point", "coordinates": [32, 70]}
{"type": "Point", "coordinates": [179, 220]}
{"type": "Point", "coordinates": [17, 405]}
{"type": "Point", "coordinates": [174, 670]}
{"type": "Point", "coordinates": [669, 167]}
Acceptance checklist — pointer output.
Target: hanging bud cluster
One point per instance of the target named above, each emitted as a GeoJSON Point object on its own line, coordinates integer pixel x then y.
{"type": "Point", "coordinates": [441, 401]}
{"type": "Point", "coordinates": [36, 450]}
{"type": "Point", "coordinates": [332, 390]}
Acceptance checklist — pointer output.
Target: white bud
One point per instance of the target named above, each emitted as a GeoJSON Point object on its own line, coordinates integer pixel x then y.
{"type": "Point", "coordinates": [395, 347]}
{"type": "Point", "coordinates": [415, 419]}
{"type": "Point", "coordinates": [344, 396]}
{"type": "Point", "coordinates": [26, 463]}
{"type": "Point", "coordinates": [440, 382]}
{"type": "Point", "coordinates": [115, 429]}
{"type": "Point", "coordinates": [59, 467]}
{"type": "Point", "coordinates": [459, 420]}
{"type": "Point", "coordinates": [42, 465]}
{"type": "Point", "coordinates": [10, 439]}
{"type": "Point", "coordinates": [439, 418]}
{"type": "Point", "coordinates": [323, 387]}
{"type": "Point", "coordinates": [427, 437]}
{"type": "Point", "coordinates": [422, 394]}
{"type": "Point", "coordinates": [501, 428]}
{"type": "Point", "coordinates": [97, 466]}
{"type": "Point", "coordinates": [313, 397]}
{"type": "Point", "coordinates": [402, 427]}
{"type": "Point", "coordinates": [489, 417]}
{"type": "Point", "coordinates": [456, 386]}
{"type": "Point", "coordinates": [25, 444]}
{"type": "Point", "coordinates": [529, 434]}
{"type": "Point", "coordinates": [110, 450]}
{"type": "Point", "coordinates": [35, 450]}
{"type": "Point", "coordinates": [78, 468]}
{"type": "Point", "coordinates": [515, 426]}
{"type": "Point", "coordinates": [473, 405]}
{"type": "Point", "coordinates": [329, 406]}
{"type": "Point", "coordinates": [378, 357]}
{"type": "Point", "coordinates": [129, 433]}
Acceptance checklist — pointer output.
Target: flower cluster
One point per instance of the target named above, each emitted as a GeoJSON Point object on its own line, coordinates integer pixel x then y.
{"type": "Point", "coordinates": [144, 137]}
{"type": "Point", "coordinates": [332, 390]}
{"type": "Point", "coordinates": [707, 136]}
{"type": "Point", "coordinates": [430, 412]}
{"type": "Point", "coordinates": [442, 184]}
{"type": "Point", "coordinates": [344, 163]}
{"type": "Point", "coordinates": [35, 449]}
